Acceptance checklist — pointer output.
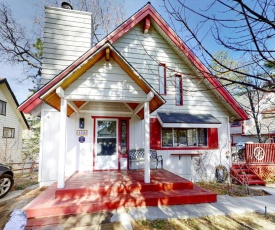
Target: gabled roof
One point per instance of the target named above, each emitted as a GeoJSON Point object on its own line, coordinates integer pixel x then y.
{"type": "Point", "coordinates": [3, 81]}
{"type": "Point", "coordinates": [143, 13]}
{"type": "Point", "coordinates": [48, 92]}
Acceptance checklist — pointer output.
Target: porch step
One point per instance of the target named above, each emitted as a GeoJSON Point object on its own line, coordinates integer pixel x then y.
{"type": "Point", "coordinates": [248, 176]}
{"type": "Point", "coordinates": [239, 166]}
{"type": "Point", "coordinates": [57, 207]}
{"type": "Point", "coordinates": [243, 170]}
{"type": "Point", "coordinates": [103, 191]}
{"type": "Point", "coordinates": [118, 189]}
{"type": "Point", "coordinates": [243, 175]}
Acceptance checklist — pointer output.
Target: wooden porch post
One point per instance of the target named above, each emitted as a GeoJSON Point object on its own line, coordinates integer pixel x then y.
{"type": "Point", "coordinates": [150, 95]}
{"type": "Point", "coordinates": [146, 143]}
{"type": "Point", "coordinates": [62, 140]}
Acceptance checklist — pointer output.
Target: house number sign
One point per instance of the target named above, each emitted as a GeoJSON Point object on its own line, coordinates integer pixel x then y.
{"type": "Point", "coordinates": [81, 132]}
{"type": "Point", "coordinates": [81, 139]}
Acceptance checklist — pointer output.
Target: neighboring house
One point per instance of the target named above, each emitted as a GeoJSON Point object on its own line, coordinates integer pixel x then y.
{"type": "Point", "coordinates": [12, 123]}
{"type": "Point", "coordinates": [140, 87]}
{"type": "Point", "coordinates": [245, 131]}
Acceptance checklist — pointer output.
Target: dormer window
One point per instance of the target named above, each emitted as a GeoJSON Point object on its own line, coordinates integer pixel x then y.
{"type": "Point", "coordinates": [3, 106]}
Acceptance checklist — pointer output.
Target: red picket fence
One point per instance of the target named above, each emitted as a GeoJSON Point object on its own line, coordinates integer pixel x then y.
{"type": "Point", "coordinates": [259, 153]}
{"type": "Point", "coordinates": [260, 158]}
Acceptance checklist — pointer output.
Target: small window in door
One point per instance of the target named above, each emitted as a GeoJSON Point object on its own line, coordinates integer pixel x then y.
{"type": "Point", "coordinates": [106, 137]}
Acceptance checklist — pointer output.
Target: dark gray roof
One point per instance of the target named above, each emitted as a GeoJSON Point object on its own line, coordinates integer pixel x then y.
{"type": "Point", "coordinates": [188, 118]}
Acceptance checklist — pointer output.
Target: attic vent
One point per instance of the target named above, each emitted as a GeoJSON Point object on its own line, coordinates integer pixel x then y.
{"type": "Point", "coordinates": [66, 5]}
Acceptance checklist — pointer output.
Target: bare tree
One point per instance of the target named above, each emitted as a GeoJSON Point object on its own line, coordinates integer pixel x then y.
{"type": "Point", "coordinates": [253, 101]}
{"type": "Point", "coordinates": [16, 46]}
{"type": "Point", "coordinates": [245, 28]}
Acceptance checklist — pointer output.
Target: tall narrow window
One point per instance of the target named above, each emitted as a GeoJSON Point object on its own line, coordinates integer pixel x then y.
{"type": "Point", "coordinates": [178, 87]}
{"type": "Point", "coordinates": [123, 138]}
{"type": "Point", "coordinates": [162, 79]}
{"type": "Point", "coordinates": [3, 106]}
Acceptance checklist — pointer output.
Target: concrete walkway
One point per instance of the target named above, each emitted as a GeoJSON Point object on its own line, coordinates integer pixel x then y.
{"type": "Point", "coordinates": [225, 205]}
{"type": "Point", "coordinates": [16, 193]}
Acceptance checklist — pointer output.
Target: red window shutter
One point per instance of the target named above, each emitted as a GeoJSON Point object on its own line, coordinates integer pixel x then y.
{"type": "Point", "coordinates": [213, 141]}
{"type": "Point", "coordinates": [155, 134]}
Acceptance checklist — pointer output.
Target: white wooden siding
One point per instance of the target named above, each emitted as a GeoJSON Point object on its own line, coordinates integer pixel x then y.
{"type": "Point", "coordinates": [196, 98]}
{"type": "Point", "coordinates": [10, 147]}
{"type": "Point", "coordinates": [105, 81]}
{"type": "Point", "coordinates": [49, 146]}
{"type": "Point", "coordinates": [67, 36]}
{"type": "Point", "coordinates": [111, 107]}
{"type": "Point", "coordinates": [136, 133]}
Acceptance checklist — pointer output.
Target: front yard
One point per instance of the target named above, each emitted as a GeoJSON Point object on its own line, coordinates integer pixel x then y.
{"type": "Point", "coordinates": [245, 221]}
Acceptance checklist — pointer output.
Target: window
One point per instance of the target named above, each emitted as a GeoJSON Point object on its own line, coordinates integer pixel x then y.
{"type": "Point", "coordinates": [236, 123]}
{"type": "Point", "coordinates": [123, 136]}
{"type": "Point", "coordinates": [8, 132]}
{"type": "Point", "coordinates": [162, 79]}
{"type": "Point", "coordinates": [178, 86]}
{"type": "Point", "coordinates": [106, 137]}
{"type": "Point", "coordinates": [3, 106]}
{"type": "Point", "coordinates": [175, 137]}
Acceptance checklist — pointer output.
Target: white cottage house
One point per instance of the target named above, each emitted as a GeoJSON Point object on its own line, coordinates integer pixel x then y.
{"type": "Point", "coordinates": [12, 123]}
{"type": "Point", "coordinates": [140, 87]}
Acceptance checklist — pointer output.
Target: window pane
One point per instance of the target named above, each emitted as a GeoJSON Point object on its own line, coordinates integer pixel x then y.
{"type": "Point", "coordinates": [180, 137]}
{"type": "Point", "coordinates": [106, 146]}
{"type": "Point", "coordinates": [178, 90]}
{"type": "Point", "coordinates": [106, 138]}
{"type": "Point", "coordinates": [236, 123]}
{"type": "Point", "coordinates": [191, 137]}
{"type": "Point", "coordinates": [106, 128]}
{"type": "Point", "coordinates": [3, 107]}
{"type": "Point", "coordinates": [167, 137]}
{"type": "Point", "coordinates": [202, 137]}
{"type": "Point", "coordinates": [123, 131]}
{"type": "Point", "coordinates": [162, 81]}
{"type": "Point", "coordinates": [8, 132]}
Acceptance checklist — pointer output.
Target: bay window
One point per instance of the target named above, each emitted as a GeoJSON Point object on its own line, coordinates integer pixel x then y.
{"type": "Point", "coordinates": [181, 137]}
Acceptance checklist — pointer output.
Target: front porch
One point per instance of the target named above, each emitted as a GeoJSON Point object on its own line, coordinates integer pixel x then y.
{"type": "Point", "coordinates": [110, 190]}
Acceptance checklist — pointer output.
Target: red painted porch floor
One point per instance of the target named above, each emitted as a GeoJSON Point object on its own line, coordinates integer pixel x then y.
{"type": "Point", "coordinates": [109, 190]}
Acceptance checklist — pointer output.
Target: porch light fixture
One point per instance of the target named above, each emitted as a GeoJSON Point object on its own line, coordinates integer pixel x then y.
{"type": "Point", "coordinates": [81, 123]}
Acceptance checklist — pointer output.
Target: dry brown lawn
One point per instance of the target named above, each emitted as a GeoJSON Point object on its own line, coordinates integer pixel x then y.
{"type": "Point", "coordinates": [240, 222]}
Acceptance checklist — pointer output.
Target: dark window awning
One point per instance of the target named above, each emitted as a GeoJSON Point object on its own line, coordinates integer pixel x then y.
{"type": "Point", "coordinates": [187, 120]}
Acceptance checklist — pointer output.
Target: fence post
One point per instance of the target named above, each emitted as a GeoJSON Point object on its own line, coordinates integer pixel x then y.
{"type": "Point", "coordinates": [31, 169]}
